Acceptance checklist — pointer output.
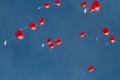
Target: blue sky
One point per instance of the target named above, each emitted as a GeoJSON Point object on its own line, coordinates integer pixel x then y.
{"type": "Point", "coordinates": [27, 60]}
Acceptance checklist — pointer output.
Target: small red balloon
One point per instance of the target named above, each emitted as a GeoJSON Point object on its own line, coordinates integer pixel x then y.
{"type": "Point", "coordinates": [111, 39]}
{"type": "Point", "coordinates": [57, 3]}
{"type": "Point", "coordinates": [32, 26]}
{"type": "Point", "coordinates": [91, 9]}
{"type": "Point", "coordinates": [96, 5]}
{"type": "Point", "coordinates": [49, 41]}
{"type": "Point", "coordinates": [83, 4]}
{"type": "Point", "coordinates": [82, 34]}
{"type": "Point", "coordinates": [105, 31]}
{"type": "Point", "coordinates": [46, 5]}
{"type": "Point", "coordinates": [51, 46]}
{"type": "Point", "coordinates": [90, 68]}
{"type": "Point", "coordinates": [41, 21]}
{"type": "Point", "coordinates": [58, 41]}
{"type": "Point", "coordinates": [19, 35]}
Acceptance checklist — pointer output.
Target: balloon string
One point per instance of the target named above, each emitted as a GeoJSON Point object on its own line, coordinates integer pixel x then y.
{"type": "Point", "coordinates": [11, 39]}
{"type": "Point", "coordinates": [39, 7]}
{"type": "Point", "coordinates": [6, 41]}
{"type": "Point", "coordinates": [23, 28]}
{"type": "Point", "coordinates": [98, 38]}
{"type": "Point", "coordinates": [113, 43]}
{"type": "Point", "coordinates": [107, 42]}
{"type": "Point", "coordinates": [84, 73]}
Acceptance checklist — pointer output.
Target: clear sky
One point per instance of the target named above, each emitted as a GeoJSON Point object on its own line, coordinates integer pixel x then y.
{"type": "Point", "coordinates": [27, 60]}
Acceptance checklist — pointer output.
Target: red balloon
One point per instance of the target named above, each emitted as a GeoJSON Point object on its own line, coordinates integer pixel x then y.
{"type": "Point", "coordinates": [57, 3]}
{"type": "Point", "coordinates": [83, 4]}
{"type": "Point", "coordinates": [90, 68]}
{"type": "Point", "coordinates": [19, 35]}
{"type": "Point", "coordinates": [51, 46]}
{"type": "Point", "coordinates": [41, 21]}
{"type": "Point", "coordinates": [82, 34]}
{"type": "Point", "coordinates": [58, 41]}
{"type": "Point", "coordinates": [46, 5]}
{"type": "Point", "coordinates": [105, 31]}
{"type": "Point", "coordinates": [91, 9]}
{"type": "Point", "coordinates": [96, 5]}
{"type": "Point", "coordinates": [111, 39]}
{"type": "Point", "coordinates": [49, 41]}
{"type": "Point", "coordinates": [32, 26]}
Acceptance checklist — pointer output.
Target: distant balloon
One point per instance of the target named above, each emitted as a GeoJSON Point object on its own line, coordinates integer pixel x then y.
{"type": "Point", "coordinates": [51, 46]}
{"type": "Point", "coordinates": [57, 3]}
{"type": "Point", "coordinates": [19, 35]}
{"type": "Point", "coordinates": [46, 5]}
{"type": "Point", "coordinates": [90, 68]}
{"type": "Point", "coordinates": [105, 31]}
{"type": "Point", "coordinates": [32, 26]}
{"type": "Point", "coordinates": [58, 41]}
{"type": "Point", "coordinates": [41, 21]}
{"type": "Point", "coordinates": [111, 39]}
{"type": "Point", "coordinates": [83, 4]}
{"type": "Point", "coordinates": [96, 5]}
{"type": "Point", "coordinates": [91, 9]}
{"type": "Point", "coordinates": [82, 34]}
{"type": "Point", "coordinates": [49, 41]}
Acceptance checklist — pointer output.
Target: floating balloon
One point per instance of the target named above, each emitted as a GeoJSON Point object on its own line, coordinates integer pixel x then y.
{"type": "Point", "coordinates": [82, 34]}
{"type": "Point", "coordinates": [41, 21]}
{"type": "Point", "coordinates": [32, 26]}
{"type": "Point", "coordinates": [83, 4]}
{"type": "Point", "coordinates": [49, 41]}
{"type": "Point", "coordinates": [91, 9]}
{"type": "Point", "coordinates": [19, 35]}
{"type": "Point", "coordinates": [94, 7]}
{"type": "Point", "coordinates": [90, 68]}
{"type": "Point", "coordinates": [58, 41]}
{"type": "Point", "coordinates": [57, 3]}
{"type": "Point", "coordinates": [111, 39]}
{"type": "Point", "coordinates": [105, 31]}
{"type": "Point", "coordinates": [46, 5]}
{"type": "Point", "coordinates": [51, 46]}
